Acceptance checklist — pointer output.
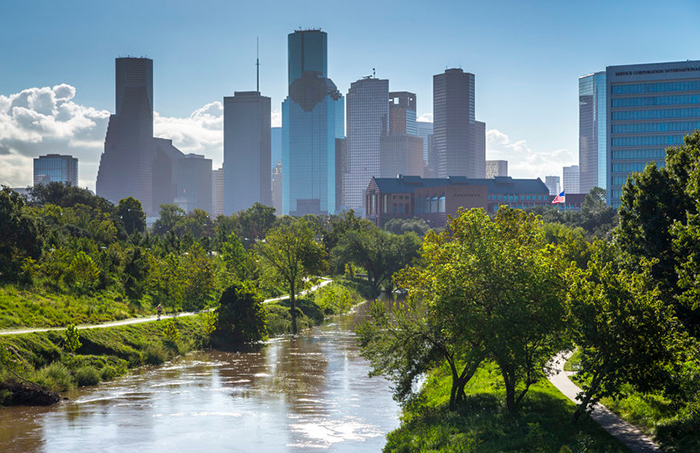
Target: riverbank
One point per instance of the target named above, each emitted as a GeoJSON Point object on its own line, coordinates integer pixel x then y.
{"type": "Point", "coordinates": [483, 424]}
{"type": "Point", "coordinates": [43, 357]}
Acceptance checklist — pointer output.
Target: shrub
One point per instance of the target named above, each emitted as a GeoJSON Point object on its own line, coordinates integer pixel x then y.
{"type": "Point", "coordinates": [87, 375]}
{"type": "Point", "coordinates": [155, 354]}
{"type": "Point", "coordinates": [109, 373]}
{"type": "Point", "coordinates": [55, 376]}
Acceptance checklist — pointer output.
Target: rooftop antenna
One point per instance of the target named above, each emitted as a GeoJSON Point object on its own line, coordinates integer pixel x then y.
{"type": "Point", "coordinates": [257, 64]}
{"type": "Point", "coordinates": [374, 73]}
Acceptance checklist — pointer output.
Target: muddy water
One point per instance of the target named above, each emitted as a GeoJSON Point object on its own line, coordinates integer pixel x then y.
{"type": "Point", "coordinates": [309, 393]}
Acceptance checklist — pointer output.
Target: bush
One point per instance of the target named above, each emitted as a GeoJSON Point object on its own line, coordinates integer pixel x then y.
{"type": "Point", "coordinates": [155, 354]}
{"type": "Point", "coordinates": [56, 377]}
{"type": "Point", "coordinates": [87, 375]}
{"type": "Point", "coordinates": [109, 373]}
{"type": "Point", "coordinates": [241, 316]}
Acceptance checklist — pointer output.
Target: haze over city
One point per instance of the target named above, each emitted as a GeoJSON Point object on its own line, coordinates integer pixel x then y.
{"type": "Point", "coordinates": [58, 65]}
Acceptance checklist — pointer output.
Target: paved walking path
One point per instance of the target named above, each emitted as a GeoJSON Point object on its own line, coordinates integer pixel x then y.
{"type": "Point", "coordinates": [625, 432]}
{"type": "Point", "coordinates": [125, 322]}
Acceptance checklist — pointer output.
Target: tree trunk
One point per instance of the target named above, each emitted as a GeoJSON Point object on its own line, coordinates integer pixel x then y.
{"type": "Point", "coordinates": [509, 382]}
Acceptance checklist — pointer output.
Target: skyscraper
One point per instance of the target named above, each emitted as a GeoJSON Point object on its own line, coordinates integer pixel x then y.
{"type": "Point", "coordinates": [194, 183]}
{"type": "Point", "coordinates": [459, 140]}
{"type": "Point", "coordinates": [649, 108]}
{"type": "Point", "coordinates": [312, 118]}
{"type": "Point", "coordinates": [56, 168]}
{"type": "Point", "coordinates": [425, 131]}
{"type": "Point", "coordinates": [552, 183]}
{"type": "Point", "coordinates": [592, 131]}
{"type": "Point", "coordinates": [247, 142]}
{"type": "Point", "coordinates": [368, 121]}
{"type": "Point", "coordinates": [401, 149]}
{"type": "Point", "coordinates": [571, 183]}
{"type": "Point", "coordinates": [134, 164]}
{"type": "Point", "coordinates": [217, 192]}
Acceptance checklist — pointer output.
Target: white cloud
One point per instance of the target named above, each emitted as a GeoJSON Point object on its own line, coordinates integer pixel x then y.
{"type": "Point", "coordinates": [523, 162]}
{"type": "Point", "coordinates": [276, 118]}
{"type": "Point", "coordinates": [427, 117]}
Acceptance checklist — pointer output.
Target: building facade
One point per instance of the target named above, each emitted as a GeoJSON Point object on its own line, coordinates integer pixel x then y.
{"type": "Point", "coordinates": [56, 168]}
{"type": "Point", "coordinates": [571, 183]}
{"type": "Point", "coordinates": [425, 131]}
{"type": "Point", "coordinates": [247, 151]}
{"type": "Point", "coordinates": [194, 183]}
{"type": "Point", "coordinates": [592, 140]}
{"type": "Point", "coordinates": [434, 199]}
{"type": "Point", "coordinates": [459, 140]}
{"type": "Point", "coordinates": [217, 192]}
{"type": "Point", "coordinates": [553, 183]}
{"type": "Point", "coordinates": [312, 118]}
{"type": "Point", "coordinates": [401, 149]}
{"type": "Point", "coordinates": [496, 168]}
{"type": "Point", "coordinates": [649, 108]}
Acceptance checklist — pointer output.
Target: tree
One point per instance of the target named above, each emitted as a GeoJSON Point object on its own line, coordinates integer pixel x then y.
{"type": "Point", "coordinates": [72, 338]}
{"type": "Point", "coordinates": [241, 316]}
{"type": "Point", "coordinates": [19, 235]}
{"type": "Point", "coordinates": [291, 254]}
{"type": "Point", "coordinates": [623, 329]}
{"type": "Point", "coordinates": [491, 289]}
{"type": "Point", "coordinates": [168, 218]}
{"type": "Point", "coordinates": [379, 252]}
{"type": "Point", "coordinates": [131, 214]}
{"type": "Point", "coordinates": [66, 196]}
{"type": "Point", "coordinates": [401, 226]}
{"type": "Point", "coordinates": [83, 272]}
{"type": "Point", "coordinates": [255, 222]}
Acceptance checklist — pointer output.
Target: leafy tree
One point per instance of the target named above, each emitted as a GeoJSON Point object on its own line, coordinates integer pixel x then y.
{"type": "Point", "coordinates": [339, 225]}
{"type": "Point", "coordinates": [168, 218]}
{"type": "Point", "coordinates": [236, 258]}
{"type": "Point", "coordinates": [241, 316]}
{"type": "Point", "coordinates": [623, 329]}
{"type": "Point", "coordinates": [196, 224]}
{"type": "Point", "coordinates": [379, 252]}
{"type": "Point", "coordinates": [291, 254]}
{"type": "Point", "coordinates": [255, 222]}
{"type": "Point", "coordinates": [136, 270]}
{"type": "Point", "coordinates": [72, 338]}
{"type": "Point", "coordinates": [66, 196]}
{"type": "Point", "coordinates": [19, 235]}
{"type": "Point", "coordinates": [131, 214]}
{"type": "Point", "coordinates": [401, 226]}
{"type": "Point", "coordinates": [83, 272]}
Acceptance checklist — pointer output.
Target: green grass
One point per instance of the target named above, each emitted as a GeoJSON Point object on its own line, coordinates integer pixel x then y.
{"type": "Point", "coordinates": [483, 424]}
{"type": "Point", "coordinates": [22, 308]}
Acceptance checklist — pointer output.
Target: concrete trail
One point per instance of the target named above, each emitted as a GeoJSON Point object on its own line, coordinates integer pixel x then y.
{"type": "Point", "coordinates": [125, 322]}
{"type": "Point", "coordinates": [625, 432]}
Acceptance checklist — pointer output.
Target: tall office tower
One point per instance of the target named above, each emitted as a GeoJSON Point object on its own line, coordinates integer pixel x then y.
{"type": "Point", "coordinates": [217, 192]}
{"type": "Point", "coordinates": [312, 118]}
{"type": "Point", "coordinates": [127, 162]}
{"type": "Point", "coordinates": [368, 118]}
{"type": "Point", "coordinates": [460, 140]}
{"type": "Point", "coordinates": [247, 137]}
{"type": "Point", "coordinates": [194, 183]}
{"type": "Point", "coordinates": [341, 169]}
{"type": "Point", "coordinates": [649, 108]}
{"type": "Point", "coordinates": [401, 149]}
{"type": "Point", "coordinates": [571, 183]}
{"type": "Point", "coordinates": [496, 168]}
{"type": "Point", "coordinates": [277, 188]}
{"type": "Point", "coordinates": [425, 130]}
{"type": "Point", "coordinates": [552, 183]}
{"type": "Point", "coordinates": [56, 168]}
{"type": "Point", "coordinates": [592, 131]}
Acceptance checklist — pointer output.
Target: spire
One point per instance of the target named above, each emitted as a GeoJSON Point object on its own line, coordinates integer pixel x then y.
{"type": "Point", "coordinates": [257, 64]}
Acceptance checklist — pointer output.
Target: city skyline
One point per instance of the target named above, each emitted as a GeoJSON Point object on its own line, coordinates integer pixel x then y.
{"type": "Point", "coordinates": [528, 62]}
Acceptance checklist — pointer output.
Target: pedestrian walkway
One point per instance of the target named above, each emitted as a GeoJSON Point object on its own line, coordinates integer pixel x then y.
{"type": "Point", "coordinates": [625, 432]}
{"type": "Point", "coordinates": [125, 322]}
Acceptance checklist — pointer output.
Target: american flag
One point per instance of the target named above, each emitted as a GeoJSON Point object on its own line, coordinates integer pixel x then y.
{"type": "Point", "coordinates": [561, 198]}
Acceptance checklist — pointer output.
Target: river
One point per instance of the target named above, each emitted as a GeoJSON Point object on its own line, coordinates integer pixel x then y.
{"type": "Point", "coordinates": [309, 393]}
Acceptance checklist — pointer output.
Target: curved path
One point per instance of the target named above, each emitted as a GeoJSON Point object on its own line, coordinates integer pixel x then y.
{"type": "Point", "coordinates": [125, 322]}
{"type": "Point", "coordinates": [625, 432]}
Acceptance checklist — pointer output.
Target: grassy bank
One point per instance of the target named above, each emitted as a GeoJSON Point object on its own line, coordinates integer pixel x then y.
{"type": "Point", "coordinates": [483, 424]}
{"type": "Point", "coordinates": [22, 308]}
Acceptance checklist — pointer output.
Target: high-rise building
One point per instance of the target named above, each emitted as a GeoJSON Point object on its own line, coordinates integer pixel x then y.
{"type": "Point", "coordinates": [277, 188]}
{"type": "Point", "coordinates": [247, 137]}
{"type": "Point", "coordinates": [571, 183]}
{"type": "Point", "coordinates": [649, 108]}
{"type": "Point", "coordinates": [367, 121]}
{"type": "Point", "coordinates": [276, 146]}
{"type": "Point", "coordinates": [194, 183]}
{"type": "Point", "coordinates": [56, 168]}
{"type": "Point", "coordinates": [459, 140]}
{"type": "Point", "coordinates": [312, 118]}
{"type": "Point", "coordinates": [592, 144]}
{"type": "Point", "coordinates": [134, 164]}
{"type": "Point", "coordinates": [402, 148]}
{"type": "Point", "coordinates": [552, 183]}
{"type": "Point", "coordinates": [217, 192]}
{"type": "Point", "coordinates": [425, 131]}
{"type": "Point", "coordinates": [496, 168]}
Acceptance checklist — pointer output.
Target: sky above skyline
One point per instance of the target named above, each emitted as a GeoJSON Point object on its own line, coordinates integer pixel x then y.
{"type": "Point", "coordinates": [57, 65]}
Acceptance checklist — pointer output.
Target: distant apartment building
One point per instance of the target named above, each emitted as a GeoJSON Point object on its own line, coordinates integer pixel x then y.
{"type": "Point", "coordinates": [649, 108]}
{"type": "Point", "coordinates": [434, 199]}
{"type": "Point", "coordinates": [496, 168]}
{"type": "Point", "coordinates": [553, 184]}
{"type": "Point", "coordinates": [56, 168]}
{"type": "Point", "coordinates": [592, 146]}
{"type": "Point", "coordinates": [459, 140]}
{"type": "Point", "coordinates": [217, 192]}
{"type": "Point", "coordinates": [571, 180]}
{"type": "Point", "coordinates": [247, 151]}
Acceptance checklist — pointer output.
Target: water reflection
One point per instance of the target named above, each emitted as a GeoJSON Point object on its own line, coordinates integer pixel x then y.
{"type": "Point", "coordinates": [295, 394]}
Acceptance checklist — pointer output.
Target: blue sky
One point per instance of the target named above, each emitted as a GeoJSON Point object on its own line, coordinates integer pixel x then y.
{"type": "Point", "coordinates": [527, 57]}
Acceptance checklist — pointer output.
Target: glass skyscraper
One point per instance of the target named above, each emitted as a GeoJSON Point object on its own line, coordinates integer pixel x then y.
{"type": "Point", "coordinates": [592, 143]}
{"type": "Point", "coordinates": [649, 108]}
{"type": "Point", "coordinates": [312, 119]}
{"type": "Point", "coordinates": [56, 168]}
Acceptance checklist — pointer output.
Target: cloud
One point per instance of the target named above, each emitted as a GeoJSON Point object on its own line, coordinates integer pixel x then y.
{"type": "Point", "coordinates": [427, 117]}
{"type": "Point", "coordinates": [276, 118]}
{"type": "Point", "coordinates": [523, 162]}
